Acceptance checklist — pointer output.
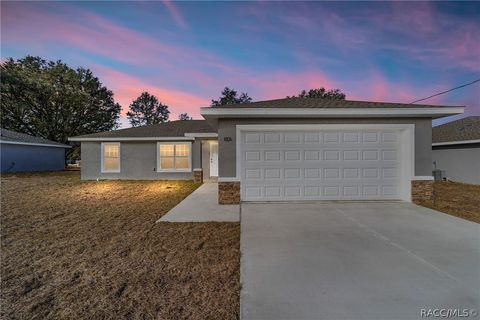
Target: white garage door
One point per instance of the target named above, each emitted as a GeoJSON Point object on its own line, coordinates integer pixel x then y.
{"type": "Point", "coordinates": [320, 165]}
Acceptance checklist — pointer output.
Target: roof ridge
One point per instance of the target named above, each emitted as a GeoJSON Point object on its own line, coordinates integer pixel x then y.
{"type": "Point", "coordinates": [173, 128]}
{"type": "Point", "coordinates": [325, 102]}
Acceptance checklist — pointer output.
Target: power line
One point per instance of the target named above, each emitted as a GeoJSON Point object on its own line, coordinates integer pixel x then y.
{"type": "Point", "coordinates": [437, 94]}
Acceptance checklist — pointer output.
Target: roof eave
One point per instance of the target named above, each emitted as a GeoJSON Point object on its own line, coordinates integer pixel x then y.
{"type": "Point", "coordinates": [431, 112]}
{"type": "Point", "coordinates": [201, 134]}
{"type": "Point", "coordinates": [449, 143]}
{"type": "Point", "coordinates": [65, 146]}
{"type": "Point", "coordinates": [122, 139]}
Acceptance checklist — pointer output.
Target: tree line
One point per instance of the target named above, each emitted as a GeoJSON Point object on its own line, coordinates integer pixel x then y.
{"type": "Point", "coordinates": [54, 101]}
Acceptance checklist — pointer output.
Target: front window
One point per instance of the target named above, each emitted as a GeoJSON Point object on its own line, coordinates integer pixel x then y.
{"type": "Point", "coordinates": [110, 157]}
{"type": "Point", "coordinates": [174, 156]}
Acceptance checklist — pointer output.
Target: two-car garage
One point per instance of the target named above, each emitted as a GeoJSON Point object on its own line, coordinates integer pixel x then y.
{"type": "Point", "coordinates": [325, 162]}
{"type": "Point", "coordinates": [298, 149]}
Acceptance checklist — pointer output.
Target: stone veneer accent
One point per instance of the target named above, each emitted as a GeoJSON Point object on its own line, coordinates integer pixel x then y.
{"type": "Point", "coordinates": [422, 190]}
{"type": "Point", "coordinates": [228, 192]}
{"type": "Point", "coordinates": [198, 175]}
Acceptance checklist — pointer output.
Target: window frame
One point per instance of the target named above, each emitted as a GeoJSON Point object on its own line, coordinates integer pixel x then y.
{"type": "Point", "coordinates": [190, 156]}
{"type": "Point", "coordinates": [102, 147]}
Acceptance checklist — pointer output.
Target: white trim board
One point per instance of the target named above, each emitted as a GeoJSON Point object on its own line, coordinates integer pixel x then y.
{"type": "Point", "coordinates": [35, 144]}
{"type": "Point", "coordinates": [202, 135]}
{"type": "Point", "coordinates": [353, 126]}
{"type": "Point", "coordinates": [448, 143]}
{"type": "Point", "coordinates": [422, 178]}
{"type": "Point", "coordinates": [228, 179]}
{"type": "Point", "coordinates": [433, 112]}
{"type": "Point", "coordinates": [407, 147]}
{"type": "Point", "coordinates": [115, 139]}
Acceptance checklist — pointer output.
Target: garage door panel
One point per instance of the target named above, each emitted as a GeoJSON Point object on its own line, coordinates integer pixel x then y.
{"type": "Point", "coordinates": [326, 173]}
{"type": "Point", "coordinates": [272, 137]}
{"type": "Point", "coordinates": [370, 137]}
{"type": "Point", "coordinates": [254, 192]}
{"type": "Point", "coordinates": [275, 192]}
{"type": "Point", "coordinates": [273, 155]}
{"type": "Point", "coordinates": [330, 137]}
{"type": "Point", "coordinates": [389, 137]}
{"type": "Point", "coordinates": [312, 173]}
{"type": "Point", "coordinates": [370, 190]}
{"type": "Point", "coordinates": [351, 173]}
{"type": "Point", "coordinates": [389, 190]}
{"type": "Point", "coordinates": [293, 137]}
{"type": "Point", "coordinates": [273, 174]}
{"type": "Point", "coordinates": [253, 138]}
{"type": "Point", "coordinates": [292, 155]}
{"type": "Point", "coordinates": [312, 137]}
{"type": "Point", "coordinates": [316, 165]}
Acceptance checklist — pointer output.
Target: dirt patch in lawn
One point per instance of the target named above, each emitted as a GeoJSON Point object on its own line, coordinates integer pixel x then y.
{"type": "Point", "coordinates": [458, 199]}
{"type": "Point", "coordinates": [76, 249]}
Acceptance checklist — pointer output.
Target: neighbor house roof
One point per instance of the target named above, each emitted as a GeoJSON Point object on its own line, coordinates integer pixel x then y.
{"type": "Point", "coordinates": [466, 130]}
{"type": "Point", "coordinates": [172, 129]}
{"type": "Point", "coordinates": [323, 103]}
{"type": "Point", "coordinates": [13, 137]}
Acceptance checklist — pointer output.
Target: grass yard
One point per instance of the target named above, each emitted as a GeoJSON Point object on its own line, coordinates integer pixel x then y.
{"type": "Point", "coordinates": [75, 249]}
{"type": "Point", "coordinates": [458, 199]}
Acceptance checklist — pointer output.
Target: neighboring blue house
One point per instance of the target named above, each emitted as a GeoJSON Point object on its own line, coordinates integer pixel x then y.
{"type": "Point", "coordinates": [21, 152]}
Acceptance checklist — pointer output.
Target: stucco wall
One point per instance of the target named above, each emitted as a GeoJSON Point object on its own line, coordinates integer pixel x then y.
{"type": "Point", "coordinates": [227, 149]}
{"type": "Point", "coordinates": [461, 164]}
{"type": "Point", "coordinates": [138, 161]}
{"type": "Point", "coordinates": [18, 158]}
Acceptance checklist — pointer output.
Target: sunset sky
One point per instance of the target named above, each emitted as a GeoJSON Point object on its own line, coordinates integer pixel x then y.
{"type": "Point", "coordinates": [186, 52]}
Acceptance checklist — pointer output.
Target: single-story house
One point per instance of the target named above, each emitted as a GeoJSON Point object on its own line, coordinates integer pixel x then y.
{"type": "Point", "coordinates": [20, 152]}
{"type": "Point", "coordinates": [281, 150]}
{"type": "Point", "coordinates": [456, 149]}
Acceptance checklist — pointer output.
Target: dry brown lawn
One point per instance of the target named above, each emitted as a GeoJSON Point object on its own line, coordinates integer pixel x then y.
{"type": "Point", "coordinates": [75, 249]}
{"type": "Point", "coordinates": [458, 199]}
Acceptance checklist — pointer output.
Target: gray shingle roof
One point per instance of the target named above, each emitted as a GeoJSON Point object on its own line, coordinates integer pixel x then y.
{"type": "Point", "coordinates": [13, 136]}
{"type": "Point", "coordinates": [323, 103]}
{"type": "Point", "coordinates": [168, 129]}
{"type": "Point", "coordinates": [459, 130]}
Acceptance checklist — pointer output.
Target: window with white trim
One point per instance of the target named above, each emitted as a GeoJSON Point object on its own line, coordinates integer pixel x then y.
{"type": "Point", "coordinates": [111, 157]}
{"type": "Point", "coordinates": [174, 156]}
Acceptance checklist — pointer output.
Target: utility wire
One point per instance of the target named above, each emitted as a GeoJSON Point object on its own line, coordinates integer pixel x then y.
{"type": "Point", "coordinates": [437, 94]}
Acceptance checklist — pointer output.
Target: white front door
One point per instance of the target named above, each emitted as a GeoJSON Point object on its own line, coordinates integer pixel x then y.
{"type": "Point", "coordinates": [214, 159]}
{"type": "Point", "coordinates": [352, 164]}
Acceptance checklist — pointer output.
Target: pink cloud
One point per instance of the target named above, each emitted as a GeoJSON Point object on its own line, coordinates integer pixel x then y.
{"type": "Point", "coordinates": [418, 16]}
{"type": "Point", "coordinates": [433, 37]}
{"type": "Point", "coordinates": [127, 88]}
{"type": "Point", "coordinates": [207, 73]}
{"type": "Point", "coordinates": [378, 88]}
{"type": "Point", "coordinates": [100, 36]}
{"type": "Point", "coordinates": [375, 87]}
{"type": "Point", "coordinates": [177, 16]}
{"type": "Point", "coordinates": [106, 38]}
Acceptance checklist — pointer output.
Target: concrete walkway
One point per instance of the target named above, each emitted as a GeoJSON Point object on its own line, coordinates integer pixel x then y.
{"type": "Point", "coordinates": [202, 206]}
{"type": "Point", "coordinates": [368, 260]}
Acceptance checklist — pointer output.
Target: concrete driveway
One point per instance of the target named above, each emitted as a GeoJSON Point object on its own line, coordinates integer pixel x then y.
{"type": "Point", "coordinates": [368, 260]}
